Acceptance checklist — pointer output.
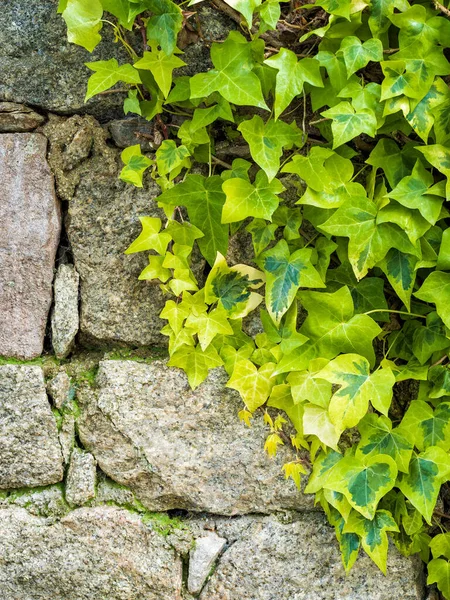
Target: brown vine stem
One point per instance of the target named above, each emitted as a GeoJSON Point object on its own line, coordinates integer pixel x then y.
{"type": "Point", "coordinates": [442, 8]}
{"type": "Point", "coordinates": [222, 163]}
{"type": "Point", "coordinates": [439, 362]}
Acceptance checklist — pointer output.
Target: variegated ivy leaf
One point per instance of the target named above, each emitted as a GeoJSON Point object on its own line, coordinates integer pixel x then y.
{"type": "Point", "coordinates": [331, 327]}
{"type": "Point", "coordinates": [322, 468]}
{"type": "Point", "coordinates": [422, 114]}
{"type": "Point", "coordinates": [285, 273]}
{"type": "Point", "coordinates": [363, 482]}
{"type": "Point", "coordinates": [339, 502]}
{"type": "Point", "coordinates": [267, 140]}
{"type": "Point", "coordinates": [106, 74]}
{"type": "Point", "coordinates": [262, 234]}
{"type": "Point", "coordinates": [348, 123]}
{"type": "Point", "coordinates": [431, 427]}
{"type": "Point", "coordinates": [429, 338]}
{"type": "Point", "coordinates": [436, 289]}
{"type": "Point", "coordinates": [171, 158]}
{"type": "Point", "coordinates": [378, 437]}
{"type": "Point", "coordinates": [427, 472]}
{"type": "Point", "coordinates": [380, 13]}
{"type": "Point", "coordinates": [305, 385]}
{"type": "Point", "coordinates": [357, 387]}
{"type": "Point", "coordinates": [316, 421]}
{"type": "Point", "coordinates": [195, 362]}
{"type": "Point", "coordinates": [357, 54]}
{"type": "Point", "coordinates": [164, 24]}
{"type": "Point", "coordinates": [373, 534]}
{"type": "Point", "coordinates": [349, 543]}
{"type": "Point", "coordinates": [400, 270]}
{"type": "Point", "coordinates": [254, 385]}
{"type": "Point", "coordinates": [232, 287]}
{"type": "Point", "coordinates": [439, 157]}
{"type": "Point", "coordinates": [135, 165]}
{"type": "Point", "coordinates": [291, 77]}
{"type": "Point", "coordinates": [244, 199]}
{"type": "Point", "coordinates": [232, 75]}
{"type": "Point", "coordinates": [369, 243]}
{"type": "Point", "coordinates": [150, 238]}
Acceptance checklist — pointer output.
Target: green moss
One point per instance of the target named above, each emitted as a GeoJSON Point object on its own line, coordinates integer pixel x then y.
{"type": "Point", "coordinates": [88, 376]}
{"type": "Point", "coordinates": [163, 523]}
{"type": "Point", "coordinates": [58, 417]}
{"type": "Point", "coordinates": [146, 355]}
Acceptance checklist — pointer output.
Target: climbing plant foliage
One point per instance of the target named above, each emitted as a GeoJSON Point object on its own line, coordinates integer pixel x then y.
{"type": "Point", "coordinates": [336, 117]}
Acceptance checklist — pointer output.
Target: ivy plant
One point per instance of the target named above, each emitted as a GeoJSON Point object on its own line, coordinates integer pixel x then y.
{"type": "Point", "coordinates": [341, 115]}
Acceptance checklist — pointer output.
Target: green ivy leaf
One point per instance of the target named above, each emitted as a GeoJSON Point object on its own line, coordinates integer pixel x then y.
{"type": "Point", "coordinates": [254, 385]}
{"type": "Point", "coordinates": [331, 327]}
{"type": "Point", "coordinates": [155, 269]}
{"type": "Point", "coordinates": [439, 157]}
{"type": "Point", "coordinates": [431, 428]}
{"type": "Point", "coordinates": [340, 8]}
{"type": "Point", "coordinates": [281, 398]}
{"type": "Point", "coordinates": [357, 387]}
{"type": "Point", "coordinates": [244, 199]}
{"type": "Point", "coordinates": [150, 237]}
{"type": "Point", "coordinates": [262, 234]}
{"type": "Point", "coordinates": [429, 339]}
{"type": "Point", "coordinates": [267, 140]}
{"type": "Point", "coordinates": [165, 24]}
{"type": "Point", "coordinates": [400, 270]}
{"type": "Point", "coordinates": [170, 157]}
{"type": "Point", "coordinates": [204, 199]}
{"type": "Point", "coordinates": [439, 573]}
{"type": "Point", "coordinates": [322, 467]}
{"type": "Point", "coordinates": [373, 534]}
{"type": "Point", "coordinates": [380, 13]}
{"type": "Point", "coordinates": [285, 273]}
{"type": "Point", "coordinates": [291, 77]}
{"type": "Point", "coordinates": [83, 20]}
{"type": "Point", "coordinates": [348, 124]}
{"type": "Point", "coordinates": [440, 545]}
{"type": "Point", "coordinates": [232, 76]}
{"type": "Point", "coordinates": [195, 362]}
{"type": "Point", "coordinates": [246, 8]}
{"type": "Point", "coordinates": [316, 421]}
{"type": "Point", "coordinates": [363, 482]}
{"type": "Point", "coordinates": [436, 289]}
{"type": "Point", "coordinates": [106, 74]}
{"type": "Point", "coordinates": [421, 486]}
{"type": "Point", "coordinates": [161, 66]}
{"type": "Point", "coordinates": [378, 437]}
{"type": "Point", "coordinates": [357, 55]}
{"type": "Point", "coordinates": [208, 325]}
{"type": "Point", "coordinates": [135, 165]}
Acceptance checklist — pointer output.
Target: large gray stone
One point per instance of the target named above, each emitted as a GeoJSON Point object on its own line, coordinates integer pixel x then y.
{"type": "Point", "coordinates": [103, 219]}
{"type": "Point", "coordinates": [39, 67]}
{"type": "Point", "coordinates": [269, 560]}
{"type": "Point", "coordinates": [92, 553]}
{"type": "Point", "coordinates": [29, 236]}
{"type": "Point", "coordinates": [65, 320]}
{"type": "Point", "coordinates": [177, 448]}
{"type": "Point", "coordinates": [30, 454]}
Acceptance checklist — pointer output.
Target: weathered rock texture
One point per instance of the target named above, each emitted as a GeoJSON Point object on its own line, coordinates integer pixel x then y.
{"type": "Point", "coordinates": [181, 449]}
{"type": "Point", "coordinates": [17, 118]}
{"type": "Point", "coordinates": [96, 554]}
{"type": "Point", "coordinates": [65, 319]}
{"type": "Point", "coordinates": [80, 485]}
{"type": "Point", "coordinates": [202, 558]}
{"type": "Point", "coordinates": [103, 220]}
{"type": "Point", "coordinates": [30, 454]}
{"type": "Point", "coordinates": [41, 68]}
{"type": "Point", "coordinates": [269, 560]}
{"type": "Point", "coordinates": [29, 235]}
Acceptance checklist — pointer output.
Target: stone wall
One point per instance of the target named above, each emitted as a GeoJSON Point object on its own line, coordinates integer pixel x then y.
{"type": "Point", "coordinates": [117, 482]}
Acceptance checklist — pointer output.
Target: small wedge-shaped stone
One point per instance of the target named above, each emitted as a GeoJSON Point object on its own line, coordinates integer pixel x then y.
{"type": "Point", "coordinates": [65, 319]}
{"type": "Point", "coordinates": [202, 558]}
{"type": "Point", "coordinates": [80, 486]}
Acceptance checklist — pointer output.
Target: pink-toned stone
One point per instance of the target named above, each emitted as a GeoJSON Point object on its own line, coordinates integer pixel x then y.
{"type": "Point", "coordinates": [30, 224]}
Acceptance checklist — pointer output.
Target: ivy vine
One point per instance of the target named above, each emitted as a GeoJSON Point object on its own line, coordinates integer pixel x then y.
{"type": "Point", "coordinates": [345, 105]}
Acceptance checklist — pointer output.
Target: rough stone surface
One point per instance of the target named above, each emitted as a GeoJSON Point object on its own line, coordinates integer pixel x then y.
{"type": "Point", "coordinates": [66, 435]}
{"type": "Point", "coordinates": [103, 220]}
{"type": "Point", "coordinates": [300, 561]}
{"type": "Point", "coordinates": [40, 67]}
{"type": "Point", "coordinates": [202, 558]}
{"type": "Point", "coordinates": [59, 388]}
{"type": "Point", "coordinates": [80, 484]}
{"type": "Point", "coordinates": [65, 319]}
{"type": "Point", "coordinates": [46, 502]}
{"type": "Point", "coordinates": [17, 118]}
{"type": "Point", "coordinates": [30, 454]}
{"type": "Point", "coordinates": [29, 236]}
{"type": "Point", "coordinates": [181, 449]}
{"type": "Point", "coordinates": [131, 131]}
{"type": "Point", "coordinates": [92, 553]}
